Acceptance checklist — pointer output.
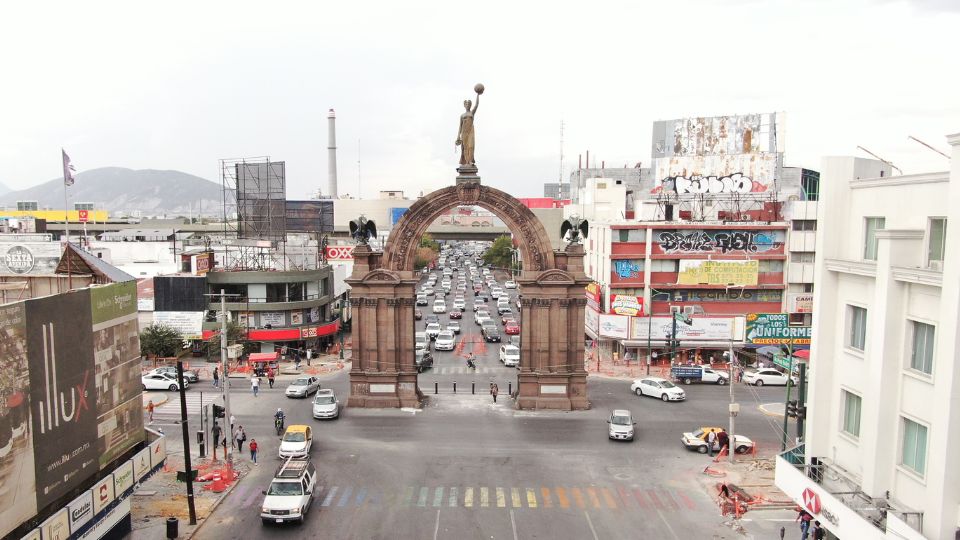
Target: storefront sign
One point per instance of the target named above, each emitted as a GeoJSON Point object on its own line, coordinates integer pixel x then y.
{"type": "Point", "coordinates": [57, 526]}
{"type": "Point", "coordinates": [102, 494]}
{"type": "Point", "coordinates": [594, 295]}
{"type": "Point", "coordinates": [622, 304]}
{"type": "Point", "coordinates": [700, 328]}
{"type": "Point", "coordinates": [707, 272]}
{"type": "Point", "coordinates": [614, 326]}
{"type": "Point", "coordinates": [204, 263]}
{"type": "Point", "coordinates": [273, 318]}
{"type": "Point", "coordinates": [338, 253]}
{"type": "Point", "coordinates": [732, 295]}
{"type": "Point", "coordinates": [775, 329]}
{"type": "Point", "coordinates": [81, 511]}
{"type": "Point", "coordinates": [591, 319]}
{"type": "Point", "coordinates": [799, 302]}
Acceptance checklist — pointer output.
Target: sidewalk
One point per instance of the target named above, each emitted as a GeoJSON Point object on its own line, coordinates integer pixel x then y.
{"type": "Point", "coordinates": [622, 369]}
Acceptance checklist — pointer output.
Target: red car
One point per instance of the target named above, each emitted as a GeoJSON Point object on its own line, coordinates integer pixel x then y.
{"type": "Point", "coordinates": [512, 328]}
{"type": "Point", "coordinates": [456, 314]}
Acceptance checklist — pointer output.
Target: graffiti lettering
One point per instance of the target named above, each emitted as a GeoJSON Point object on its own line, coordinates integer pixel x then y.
{"type": "Point", "coordinates": [719, 242]}
{"type": "Point", "coordinates": [627, 269]}
{"type": "Point", "coordinates": [734, 183]}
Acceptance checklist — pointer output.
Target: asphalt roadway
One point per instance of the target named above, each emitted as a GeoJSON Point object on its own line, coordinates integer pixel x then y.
{"type": "Point", "coordinates": [463, 467]}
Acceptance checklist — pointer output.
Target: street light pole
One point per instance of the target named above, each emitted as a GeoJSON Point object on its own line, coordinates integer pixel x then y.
{"type": "Point", "coordinates": [734, 409]}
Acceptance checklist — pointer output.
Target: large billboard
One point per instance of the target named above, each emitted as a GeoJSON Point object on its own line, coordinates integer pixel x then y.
{"type": "Point", "coordinates": [70, 385]}
{"type": "Point", "coordinates": [775, 329]}
{"type": "Point", "coordinates": [700, 328]}
{"type": "Point", "coordinates": [738, 174]}
{"type": "Point", "coordinates": [707, 272]}
{"type": "Point", "coordinates": [31, 258]}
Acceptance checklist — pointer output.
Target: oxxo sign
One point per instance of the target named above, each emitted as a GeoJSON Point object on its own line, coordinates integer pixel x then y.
{"type": "Point", "coordinates": [338, 253]}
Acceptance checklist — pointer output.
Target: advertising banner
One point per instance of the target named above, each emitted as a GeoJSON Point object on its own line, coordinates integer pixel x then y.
{"type": "Point", "coordinates": [102, 494]}
{"type": "Point", "coordinates": [775, 329]}
{"type": "Point", "coordinates": [188, 323]}
{"type": "Point", "coordinates": [62, 392]}
{"type": "Point", "coordinates": [707, 272]}
{"type": "Point", "coordinates": [122, 478]}
{"type": "Point", "coordinates": [30, 257]}
{"type": "Point", "coordinates": [81, 511]}
{"type": "Point", "coordinates": [273, 318]}
{"type": "Point", "coordinates": [594, 296]}
{"type": "Point", "coordinates": [614, 326]}
{"type": "Point", "coordinates": [57, 526]}
{"type": "Point", "coordinates": [621, 304]}
{"type": "Point", "coordinates": [296, 318]}
{"type": "Point", "coordinates": [338, 253]}
{"type": "Point", "coordinates": [730, 174]}
{"type": "Point", "coordinates": [591, 319]}
{"type": "Point", "coordinates": [18, 501]}
{"type": "Point", "coordinates": [700, 328]}
{"type": "Point", "coordinates": [800, 302]}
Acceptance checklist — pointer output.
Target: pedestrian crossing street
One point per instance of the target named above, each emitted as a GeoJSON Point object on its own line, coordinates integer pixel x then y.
{"type": "Point", "coordinates": [464, 370]}
{"type": "Point", "coordinates": [169, 412]}
{"type": "Point", "coordinates": [663, 500]}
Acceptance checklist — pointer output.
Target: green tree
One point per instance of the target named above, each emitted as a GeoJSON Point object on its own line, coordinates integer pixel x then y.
{"type": "Point", "coordinates": [160, 340]}
{"type": "Point", "coordinates": [500, 254]}
{"type": "Point", "coordinates": [236, 333]}
{"type": "Point", "coordinates": [427, 241]}
{"type": "Point", "coordinates": [427, 252]}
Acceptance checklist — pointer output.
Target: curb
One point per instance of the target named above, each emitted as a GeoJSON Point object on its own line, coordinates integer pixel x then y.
{"type": "Point", "coordinates": [216, 504]}
{"type": "Point", "coordinates": [763, 409]}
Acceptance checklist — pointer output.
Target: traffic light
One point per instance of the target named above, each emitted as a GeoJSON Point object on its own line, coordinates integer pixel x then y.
{"type": "Point", "coordinates": [218, 411]}
{"type": "Point", "coordinates": [792, 408]}
{"type": "Point", "coordinates": [801, 412]}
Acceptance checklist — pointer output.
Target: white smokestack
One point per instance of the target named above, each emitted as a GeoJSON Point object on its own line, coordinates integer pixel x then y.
{"type": "Point", "coordinates": [332, 154]}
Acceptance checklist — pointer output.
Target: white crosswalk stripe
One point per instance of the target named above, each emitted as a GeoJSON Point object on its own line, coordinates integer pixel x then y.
{"type": "Point", "coordinates": [463, 370]}
{"type": "Point", "coordinates": [169, 412]}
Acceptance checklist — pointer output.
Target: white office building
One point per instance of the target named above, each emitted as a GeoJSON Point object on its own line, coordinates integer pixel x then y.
{"type": "Point", "coordinates": [881, 456]}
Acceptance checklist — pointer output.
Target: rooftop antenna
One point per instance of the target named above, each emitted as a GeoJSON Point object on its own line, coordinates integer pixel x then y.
{"type": "Point", "coordinates": [880, 158]}
{"type": "Point", "coordinates": [928, 146]}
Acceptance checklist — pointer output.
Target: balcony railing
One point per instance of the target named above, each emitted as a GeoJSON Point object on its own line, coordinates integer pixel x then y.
{"type": "Point", "coordinates": [272, 299]}
{"type": "Point", "coordinates": [843, 485]}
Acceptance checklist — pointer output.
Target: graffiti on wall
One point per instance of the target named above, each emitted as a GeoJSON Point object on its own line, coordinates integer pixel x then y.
{"type": "Point", "coordinates": [720, 241]}
{"type": "Point", "coordinates": [727, 174]}
{"type": "Point", "coordinates": [733, 183]}
{"type": "Point", "coordinates": [627, 269]}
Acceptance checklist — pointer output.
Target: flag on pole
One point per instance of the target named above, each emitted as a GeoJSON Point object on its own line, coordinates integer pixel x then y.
{"type": "Point", "coordinates": [68, 170]}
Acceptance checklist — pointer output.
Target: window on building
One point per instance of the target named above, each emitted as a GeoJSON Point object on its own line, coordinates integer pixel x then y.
{"type": "Point", "coordinates": [921, 354]}
{"type": "Point", "coordinates": [851, 414]}
{"type": "Point", "coordinates": [936, 241]}
{"type": "Point", "coordinates": [665, 265]}
{"type": "Point", "coordinates": [856, 327]}
{"type": "Point", "coordinates": [871, 226]}
{"type": "Point", "coordinates": [631, 235]}
{"type": "Point", "coordinates": [26, 206]}
{"type": "Point", "coordinates": [810, 183]}
{"type": "Point", "coordinates": [801, 256]}
{"type": "Point", "coordinates": [913, 453]}
{"type": "Point", "coordinates": [770, 265]}
{"type": "Point", "coordinates": [808, 287]}
{"type": "Point", "coordinates": [804, 224]}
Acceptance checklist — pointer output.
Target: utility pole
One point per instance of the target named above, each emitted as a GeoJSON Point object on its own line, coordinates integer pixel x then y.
{"type": "Point", "coordinates": [226, 378]}
{"type": "Point", "coordinates": [786, 404]}
{"type": "Point", "coordinates": [188, 468]}
{"type": "Point", "coordinates": [649, 344]}
{"type": "Point", "coordinates": [801, 400]}
{"type": "Point", "coordinates": [734, 409]}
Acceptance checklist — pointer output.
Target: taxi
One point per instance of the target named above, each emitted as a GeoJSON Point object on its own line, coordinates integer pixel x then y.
{"type": "Point", "coordinates": [296, 442]}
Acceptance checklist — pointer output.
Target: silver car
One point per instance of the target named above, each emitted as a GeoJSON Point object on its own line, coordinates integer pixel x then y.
{"type": "Point", "coordinates": [445, 341]}
{"type": "Point", "coordinates": [326, 404]}
{"type": "Point", "coordinates": [303, 387]}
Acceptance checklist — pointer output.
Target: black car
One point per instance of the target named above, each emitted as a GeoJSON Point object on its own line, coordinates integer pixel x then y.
{"type": "Point", "coordinates": [490, 332]}
{"type": "Point", "coordinates": [423, 360]}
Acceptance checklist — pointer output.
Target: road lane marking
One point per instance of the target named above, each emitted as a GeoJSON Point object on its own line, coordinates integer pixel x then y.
{"type": "Point", "coordinates": [330, 495]}
{"type": "Point", "coordinates": [436, 527]}
{"type": "Point", "coordinates": [687, 500]}
{"type": "Point", "coordinates": [515, 498]}
{"type": "Point", "coordinates": [438, 497]}
{"type": "Point", "coordinates": [667, 523]}
{"type": "Point", "coordinates": [562, 498]}
{"type": "Point", "coordinates": [407, 495]}
{"type": "Point", "coordinates": [453, 496]}
{"type": "Point", "coordinates": [547, 501]}
{"type": "Point", "coordinates": [484, 497]}
{"type": "Point", "coordinates": [346, 496]}
{"type": "Point", "coordinates": [361, 495]}
{"type": "Point", "coordinates": [592, 493]}
{"type": "Point", "coordinates": [531, 498]}
{"type": "Point", "coordinates": [608, 498]}
{"type": "Point", "coordinates": [513, 525]}
{"type": "Point", "coordinates": [468, 497]}
{"type": "Point", "coordinates": [501, 499]}
{"type": "Point", "coordinates": [577, 497]}
{"type": "Point", "coordinates": [590, 523]}
{"type": "Point", "coordinates": [422, 499]}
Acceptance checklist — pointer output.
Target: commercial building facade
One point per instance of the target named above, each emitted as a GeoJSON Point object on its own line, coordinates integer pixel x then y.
{"type": "Point", "coordinates": [883, 423]}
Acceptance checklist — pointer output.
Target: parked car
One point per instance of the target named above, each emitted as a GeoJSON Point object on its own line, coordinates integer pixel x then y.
{"type": "Point", "coordinates": [326, 404]}
{"type": "Point", "coordinates": [690, 373]}
{"type": "Point", "coordinates": [162, 381]}
{"type": "Point", "coordinates": [658, 387]}
{"type": "Point", "coordinates": [290, 493]}
{"type": "Point", "coordinates": [189, 375]}
{"type": "Point", "coordinates": [296, 442]}
{"type": "Point", "coordinates": [511, 327]}
{"type": "Point", "coordinates": [456, 314]}
{"type": "Point", "coordinates": [432, 330]}
{"type": "Point", "coordinates": [621, 425]}
{"type": "Point", "coordinates": [445, 341]}
{"type": "Point", "coordinates": [510, 355]}
{"type": "Point", "coordinates": [302, 387]}
{"type": "Point", "coordinates": [697, 440]}
{"type": "Point", "coordinates": [764, 376]}
{"type": "Point", "coordinates": [423, 360]}
{"type": "Point", "coordinates": [454, 326]}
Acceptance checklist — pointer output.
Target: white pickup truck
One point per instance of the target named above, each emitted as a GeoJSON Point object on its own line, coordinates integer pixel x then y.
{"type": "Point", "coordinates": [290, 493]}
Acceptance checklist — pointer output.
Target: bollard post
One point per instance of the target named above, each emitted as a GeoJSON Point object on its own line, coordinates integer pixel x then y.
{"type": "Point", "coordinates": [510, 388]}
{"type": "Point", "coordinates": [436, 387]}
{"type": "Point", "coordinates": [173, 528]}
{"type": "Point", "coordinates": [473, 388]}
{"type": "Point", "coordinates": [454, 387]}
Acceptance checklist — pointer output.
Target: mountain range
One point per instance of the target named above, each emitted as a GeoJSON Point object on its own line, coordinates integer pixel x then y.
{"type": "Point", "coordinates": [123, 191]}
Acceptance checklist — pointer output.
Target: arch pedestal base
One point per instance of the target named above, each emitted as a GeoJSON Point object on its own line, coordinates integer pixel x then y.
{"type": "Point", "coordinates": [383, 390]}
{"type": "Point", "coordinates": [563, 391]}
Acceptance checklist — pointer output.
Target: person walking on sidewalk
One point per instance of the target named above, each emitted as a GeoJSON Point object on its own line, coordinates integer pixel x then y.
{"type": "Point", "coordinates": [253, 450]}
{"type": "Point", "coordinates": [215, 435]}
{"type": "Point", "coordinates": [239, 437]}
{"type": "Point", "coordinates": [270, 376]}
{"type": "Point", "coordinates": [216, 377]}
{"type": "Point", "coordinates": [150, 407]}
{"type": "Point", "coordinates": [494, 390]}
{"type": "Point", "coordinates": [255, 385]}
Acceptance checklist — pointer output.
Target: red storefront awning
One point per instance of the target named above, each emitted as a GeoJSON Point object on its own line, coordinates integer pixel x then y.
{"type": "Point", "coordinates": [286, 334]}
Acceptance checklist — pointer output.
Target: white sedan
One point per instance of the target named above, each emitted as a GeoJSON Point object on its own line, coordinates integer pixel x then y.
{"type": "Point", "coordinates": [658, 387]}
{"type": "Point", "coordinates": [445, 341]}
{"type": "Point", "coordinates": [161, 381]}
{"type": "Point", "coordinates": [510, 355]}
{"type": "Point", "coordinates": [764, 376]}
{"type": "Point", "coordinates": [510, 285]}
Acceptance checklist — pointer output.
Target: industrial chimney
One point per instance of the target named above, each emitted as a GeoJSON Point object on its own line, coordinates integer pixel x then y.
{"type": "Point", "coordinates": [332, 154]}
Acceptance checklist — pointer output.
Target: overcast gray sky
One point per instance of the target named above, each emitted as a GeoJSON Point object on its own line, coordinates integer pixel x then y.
{"type": "Point", "coordinates": [178, 85]}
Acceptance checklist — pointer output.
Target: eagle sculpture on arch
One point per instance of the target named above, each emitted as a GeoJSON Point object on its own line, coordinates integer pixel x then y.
{"type": "Point", "coordinates": [574, 229]}
{"type": "Point", "coordinates": [362, 230]}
